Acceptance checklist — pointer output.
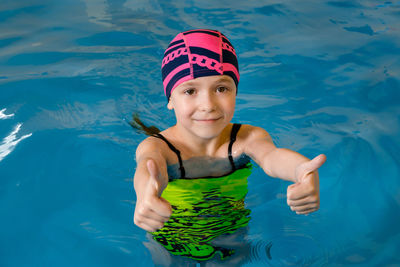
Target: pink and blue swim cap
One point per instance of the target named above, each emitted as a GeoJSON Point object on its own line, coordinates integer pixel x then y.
{"type": "Point", "coordinates": [198, 53]}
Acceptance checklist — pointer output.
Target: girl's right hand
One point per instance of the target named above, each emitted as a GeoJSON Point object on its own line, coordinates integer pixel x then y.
{"type": "Point", "coordinates": [152, 211]}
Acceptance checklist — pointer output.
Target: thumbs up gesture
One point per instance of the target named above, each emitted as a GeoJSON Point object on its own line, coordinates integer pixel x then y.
{"type": "Point", "coordinates": [303, 196]}
{"type": "Point", "coordinates": [152, 211]}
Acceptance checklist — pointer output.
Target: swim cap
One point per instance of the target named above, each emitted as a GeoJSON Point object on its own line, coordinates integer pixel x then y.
{"type": "Point", "coordinates": [198, 53]}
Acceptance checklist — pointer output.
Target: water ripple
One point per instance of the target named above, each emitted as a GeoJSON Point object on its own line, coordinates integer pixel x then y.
{"type": "Point", "coordinates": [289, 250]}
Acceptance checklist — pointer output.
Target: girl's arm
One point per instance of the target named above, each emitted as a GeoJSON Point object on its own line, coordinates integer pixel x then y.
{"type": "Point", "coordinates": [150, 180]}
{"type": "Point", "coordinates": [303, 195]}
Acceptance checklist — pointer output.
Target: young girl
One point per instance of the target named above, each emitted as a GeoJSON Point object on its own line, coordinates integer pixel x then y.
{"type": "Point", "coordinates": [200, 76]}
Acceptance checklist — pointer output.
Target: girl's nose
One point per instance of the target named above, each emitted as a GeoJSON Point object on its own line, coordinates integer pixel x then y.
{"type": "Point", "coordinates": [207, 102]}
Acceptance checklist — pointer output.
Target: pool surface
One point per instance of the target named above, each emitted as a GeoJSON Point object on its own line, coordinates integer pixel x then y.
{"type": "Point", "coordinates": [319, 76]}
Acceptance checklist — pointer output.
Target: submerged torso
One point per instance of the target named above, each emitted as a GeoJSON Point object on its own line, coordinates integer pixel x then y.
{"type": "Point", "coordinates": [206, 194]}
{"type": "Point", "coordinates": [204, 209]}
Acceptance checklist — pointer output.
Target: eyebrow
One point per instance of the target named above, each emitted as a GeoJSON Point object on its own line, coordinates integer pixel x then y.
{"type": "Point", "coordinates": [190, 83]}
{"type": "Point", "coordinates": [223, 78]}
{"type": "Point", "coordinates": [219, 80]}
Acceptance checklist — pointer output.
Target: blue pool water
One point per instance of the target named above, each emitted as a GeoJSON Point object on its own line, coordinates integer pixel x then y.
{"type": "Point", "coordinates": [320, 76]}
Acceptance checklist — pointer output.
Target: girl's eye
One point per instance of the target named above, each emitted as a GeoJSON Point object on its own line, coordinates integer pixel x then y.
{"type": "Point", "coordinates": [189, 91]}
{"type": "Point", "coordinates": [222, 89]}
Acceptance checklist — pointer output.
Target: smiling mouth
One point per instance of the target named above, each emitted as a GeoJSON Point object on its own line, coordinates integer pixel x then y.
{"type": "Point", "coordinates": [207, 120]}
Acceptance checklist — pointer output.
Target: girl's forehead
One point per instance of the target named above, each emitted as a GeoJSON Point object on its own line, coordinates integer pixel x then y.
{"type": "Point", "coordinates": [207, 80]}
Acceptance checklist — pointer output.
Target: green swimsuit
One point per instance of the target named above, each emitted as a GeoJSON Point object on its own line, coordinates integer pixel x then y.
{"type": "Point", "coordinates": [205, 208]}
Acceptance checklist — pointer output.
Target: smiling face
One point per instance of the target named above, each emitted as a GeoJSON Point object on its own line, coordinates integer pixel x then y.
{"type": "Point", "coordinates": [204, 106]}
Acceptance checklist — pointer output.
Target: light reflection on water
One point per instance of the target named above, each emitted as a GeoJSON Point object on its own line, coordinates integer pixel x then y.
{"type": "Point", "coordinates": [320, 76]}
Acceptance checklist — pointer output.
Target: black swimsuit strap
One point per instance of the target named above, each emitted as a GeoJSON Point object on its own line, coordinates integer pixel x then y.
{"type": "Point", "coordinates": [234, 131]}
{"type": "Point", "coordinates": [177, 152]}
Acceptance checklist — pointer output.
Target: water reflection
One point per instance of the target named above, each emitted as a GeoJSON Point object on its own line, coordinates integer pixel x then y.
{"type": "Point", "coordinates": [10, 141]}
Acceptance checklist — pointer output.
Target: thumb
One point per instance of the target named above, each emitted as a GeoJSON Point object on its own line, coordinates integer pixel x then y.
{"type": "Point", "coordinates": [159, 205]}
{"type": "Point", "coordinates": [314, 164]}
{"type": "Point", "coordinates": [154, 173]}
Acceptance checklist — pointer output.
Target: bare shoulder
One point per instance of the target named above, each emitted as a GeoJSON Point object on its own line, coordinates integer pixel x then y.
{"type": "Point", "coordinates": [150, 147]}
{"type": "Point", "coordinates": [249, 133]}
{"type": "Point", "coordinates": [255, 141]}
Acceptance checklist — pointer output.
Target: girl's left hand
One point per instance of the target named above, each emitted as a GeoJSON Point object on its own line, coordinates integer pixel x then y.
{"type": "Point", "coordinates": [303, 196]}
